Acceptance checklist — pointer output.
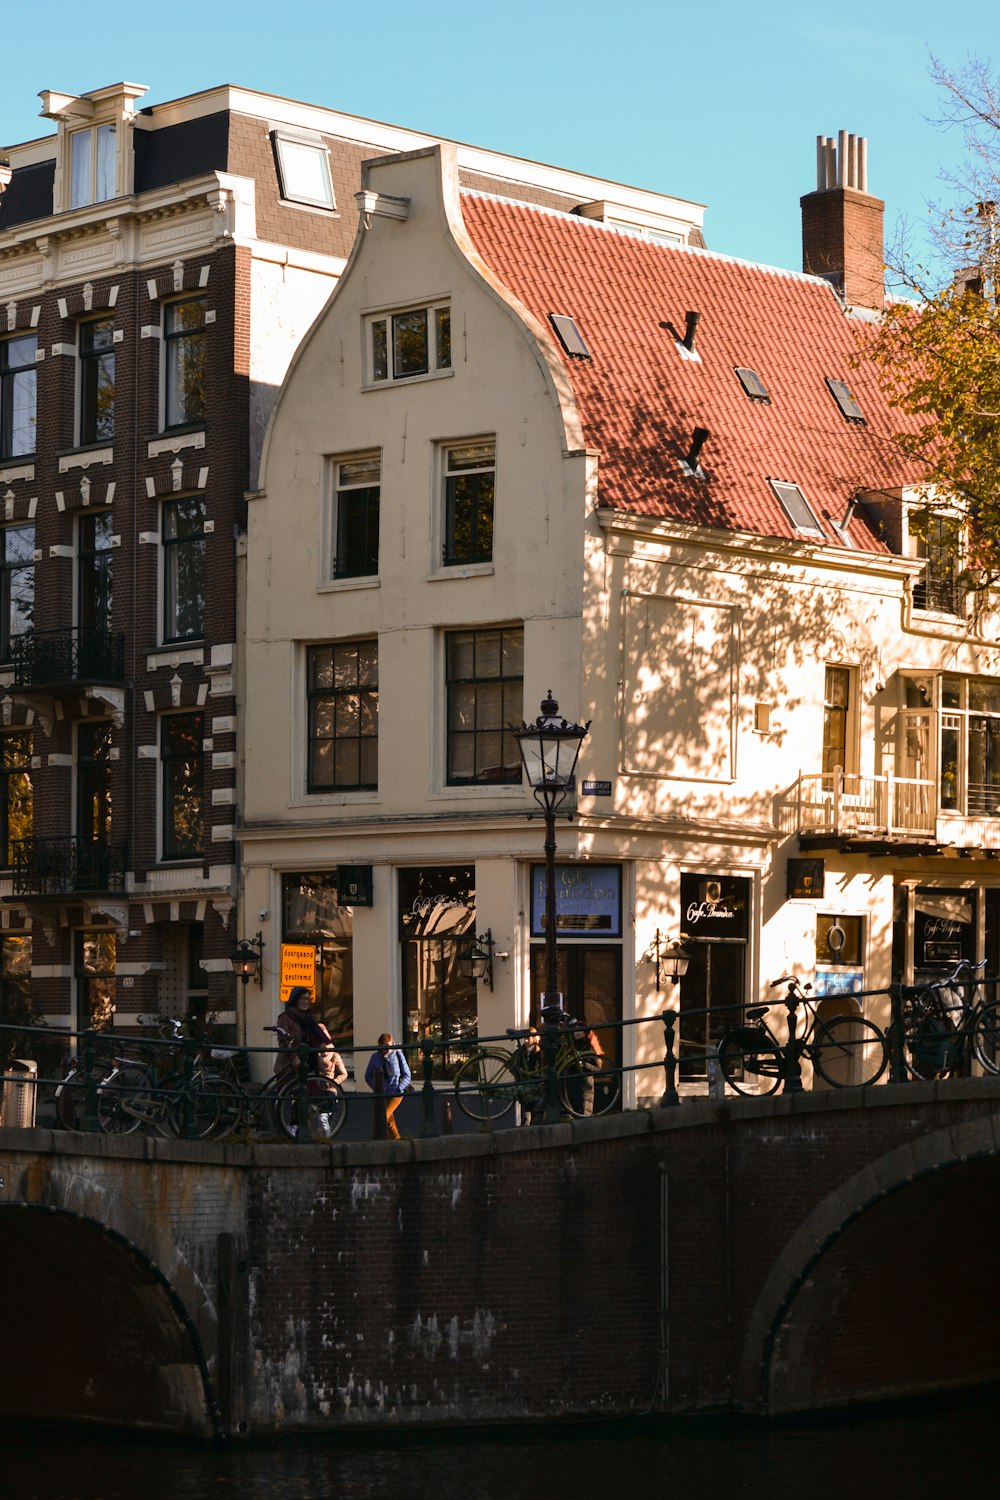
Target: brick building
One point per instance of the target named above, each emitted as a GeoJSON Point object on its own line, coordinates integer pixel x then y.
{"type": "Point", "coordinates": [158, 265]}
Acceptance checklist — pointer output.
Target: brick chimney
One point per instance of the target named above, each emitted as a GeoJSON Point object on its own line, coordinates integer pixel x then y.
{"type": "Point", "coordinates": [842, 223]}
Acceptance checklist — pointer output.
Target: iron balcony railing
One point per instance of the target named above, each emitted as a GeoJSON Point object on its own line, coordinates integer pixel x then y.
{"type": "Point", "coordinates": [71, 866]}
{"type": "Point", "coordinates": [67, 658]}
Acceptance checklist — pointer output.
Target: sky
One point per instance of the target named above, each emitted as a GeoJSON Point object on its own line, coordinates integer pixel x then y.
{"type": "Point", "coordinates": [719, 102]}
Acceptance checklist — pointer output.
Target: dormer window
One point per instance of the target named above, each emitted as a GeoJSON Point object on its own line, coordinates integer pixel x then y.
{"type": "Point", "coordinates": [92, 165]}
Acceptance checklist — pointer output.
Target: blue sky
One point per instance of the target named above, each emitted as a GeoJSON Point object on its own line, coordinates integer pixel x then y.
{"type": "Point", "coordinates": [719, 102]}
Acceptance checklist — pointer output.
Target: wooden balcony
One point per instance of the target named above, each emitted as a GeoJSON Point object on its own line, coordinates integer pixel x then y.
{"type": "Point", "coordinates": [886, 814]}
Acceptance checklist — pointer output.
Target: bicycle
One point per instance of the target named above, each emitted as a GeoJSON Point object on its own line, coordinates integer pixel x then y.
{"type": "Point", "coordinates": [492, 1080]}
{"type": "Point", "coordinates": [183, 1101]}
{"type": "Point", "coordinates": [846, 1050]}
{"type": "Point", "coordinates": [320, 1108]}
{"type": "Point", "coordinates": [943, 1017]}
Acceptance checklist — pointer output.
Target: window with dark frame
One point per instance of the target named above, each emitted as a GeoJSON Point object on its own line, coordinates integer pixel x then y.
{"type": "Point", "coordinates": [752, 384]}
{"type": "Point", "coordinates": [184, 362]}
{"type": "Point", "coordinates": [358, 486]}
{"type": "Point", "coordinates": [939, 588]}
{"type": "Point", "coordinates": [15, 791]}
{"type": "Point", "coordinates": [182, 766]}
{"type": "Point", "coordinates": [97, 381]}
{"type": "Point", "coordinates": [17, 584]}
{"type": "Point", "coordinates": [93, 783]}
{"type": "Point", "coordinates": [469, 488]}
{"type": "Point", "coordinates": [841, 393]}
{"type": "Point", "coordinates": [342, 712]}
{"type": "Point", "coordinates": [569, 335]}
{"type": "Point", "coordinates": [183, 539]}
{"type": "Point", "coordinates": [485, 682]}
{"type": "Point", "coordinates": [797, 508]}
{"type": "Point", "coordinates": [836, 718]}
{"type": "Point", "coordinates": [411, 343]}
{"type": "Point", "coordinates": [18, 395]}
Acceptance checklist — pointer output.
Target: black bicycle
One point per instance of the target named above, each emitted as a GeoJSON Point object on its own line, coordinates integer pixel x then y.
{"type": "Point", "coordinates": [948, 1021]}
{"type": "Point", "coordinates": [846, 1050]}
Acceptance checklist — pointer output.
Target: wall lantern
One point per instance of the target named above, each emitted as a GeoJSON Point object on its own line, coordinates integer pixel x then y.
{"type": "Point", "coordinates": [476, 959]}
{"type": "Point", "coordinates": [671, 959]}
{"type": "Point", "coordinates": [248, 960]}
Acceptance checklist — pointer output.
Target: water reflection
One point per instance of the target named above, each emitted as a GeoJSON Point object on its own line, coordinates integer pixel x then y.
{"type": "Point", "coordinates": [918, 1454]}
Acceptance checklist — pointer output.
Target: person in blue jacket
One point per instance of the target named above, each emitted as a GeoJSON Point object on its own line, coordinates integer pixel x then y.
{"type": "Point", "coordinates": [388, 1073]}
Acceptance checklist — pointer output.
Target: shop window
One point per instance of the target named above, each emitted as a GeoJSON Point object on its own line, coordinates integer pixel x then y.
{"type": "Point", "coordinates": [437, 910]}
{"type": "Point", "coordinates": [313, 917]}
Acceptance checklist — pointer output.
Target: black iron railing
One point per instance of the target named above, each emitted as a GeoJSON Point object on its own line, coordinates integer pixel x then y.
{"type": "Point", "coordinates": [67, 658]}
{"type": "Point", "coordinates": [58, 867]}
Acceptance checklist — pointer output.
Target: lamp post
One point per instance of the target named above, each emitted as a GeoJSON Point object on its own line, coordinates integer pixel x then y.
{"type": "Point", "coordinates": [549, 749]}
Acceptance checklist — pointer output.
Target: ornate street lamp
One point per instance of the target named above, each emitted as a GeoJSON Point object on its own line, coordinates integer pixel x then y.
{"type": "Point", "coordinates": [476, 959]}
{"type": "Point", "coordinates": [247, 960]}
{"type": "Point", "coordinates": [549, 749]}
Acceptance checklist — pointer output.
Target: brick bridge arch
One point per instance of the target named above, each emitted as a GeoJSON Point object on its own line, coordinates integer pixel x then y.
{"type": "Point", "coordinates": [109, 1318]}
{"type": "Point", "coordinates": [886, 1287]}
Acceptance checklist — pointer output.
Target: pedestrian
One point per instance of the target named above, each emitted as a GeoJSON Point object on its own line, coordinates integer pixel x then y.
{"type": "Point", "coordinates": [298, 1024]}
{"type": "Point", "coordinates": [529, 1065]}
{"type": "Point", "coordinates": [388, 1074]}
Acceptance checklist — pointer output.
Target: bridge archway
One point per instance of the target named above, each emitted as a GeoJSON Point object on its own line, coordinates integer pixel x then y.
{"type": "Point", "coordinates": [886, 1290]}
{"type": "Point", "coordinates": [93, 1331]}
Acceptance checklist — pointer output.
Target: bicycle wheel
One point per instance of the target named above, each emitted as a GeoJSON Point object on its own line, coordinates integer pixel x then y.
{"type": "Point", "coordinates": [486, 1086]}
{"type": "Point", "coordinates": [325, 1109]}
{"type": "Point", "coordinates": [71, 1101]}
{"type": "Point", "coordinates": [849, 1051]}
{"type": "Point", "coordinates": [124, 1100]}
{"type": "Point", "coordinates": [750, 1061]}
{"type": "Point", "coordinates": [231, 1102]}
{"type": "Point", "coordinates": [931, 1046]}
{"type": "Point", "coordinates": [587, 1086]}
{"type": "Point", "coordinates": [986, 1037]}
{"type": "Point", "coordinates": [211, 1100]}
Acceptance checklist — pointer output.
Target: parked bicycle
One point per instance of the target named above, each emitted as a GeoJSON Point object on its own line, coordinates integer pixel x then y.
{"type": "Point", "coordinates": [493, 1080]}
{"type": "Point", "coordinates": [319, 1107]}
{"type": "Point", "coordinates": [845, 1050]}
{"type": "Point", "coordinates": [158, 1094]}
{"type": "Point", "coordinates": [948, 1021]}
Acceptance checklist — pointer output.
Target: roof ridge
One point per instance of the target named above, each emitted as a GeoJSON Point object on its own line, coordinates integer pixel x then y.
{"type": "Point", "coordinates": [697, 250]}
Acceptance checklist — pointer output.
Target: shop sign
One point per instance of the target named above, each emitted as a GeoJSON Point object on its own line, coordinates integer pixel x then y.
{"type": "Point", "coordinates": [714, 906]}
{"type": "Point", "coordinates": [436, 901]}
{"type": "Point", "coordinates": [804, 878]}
{"type": "Point", "coordinates": [298, 966]}
{"type": "Point", "coordinates": [588, 900]}
{"type": "Point", "coordinates": [354, 885]}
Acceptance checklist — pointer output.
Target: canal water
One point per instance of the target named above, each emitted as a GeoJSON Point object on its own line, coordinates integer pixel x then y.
{"type": "Point", "coordinates": [925, 1451]}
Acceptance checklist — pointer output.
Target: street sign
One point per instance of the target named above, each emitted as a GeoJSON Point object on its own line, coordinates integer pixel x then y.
{"type": "Point", "coordinates": [596, 789]}
{"type": "Point", "coordinates": [298, 966]}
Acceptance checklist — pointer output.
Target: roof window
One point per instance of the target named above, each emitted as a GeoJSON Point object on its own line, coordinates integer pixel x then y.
{"type": "Point", "coordinates": [797, 508]}
{"type": "Point", "coordinates": [752, 384]}
{"type": "Point", "coordinates": [841, 393]}
{"type": "Point", "coordinates": [569, 335]}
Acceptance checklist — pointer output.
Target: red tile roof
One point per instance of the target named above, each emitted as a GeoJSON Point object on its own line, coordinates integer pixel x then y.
{"type": "Point", "coordinates": [640, 400]}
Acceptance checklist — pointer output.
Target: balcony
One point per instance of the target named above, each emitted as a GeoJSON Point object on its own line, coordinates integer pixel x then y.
{"type": "Point", "coordinates": [67, 867]}
{"type": "Point", "coordinates": [885, 814]}
{"type": "Point", "coordinates": [62, 661]}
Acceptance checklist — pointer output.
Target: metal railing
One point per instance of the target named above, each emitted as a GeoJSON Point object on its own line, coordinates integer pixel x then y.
{"type": "Point", "coordinates": [67, 866]}
{"type": "Point", "coordinates": [66, 658]}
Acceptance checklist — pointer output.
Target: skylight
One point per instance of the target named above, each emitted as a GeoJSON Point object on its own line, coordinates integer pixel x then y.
{"type": "Point", "coordinates": [797, 508]}
{"type": "Point", "coordinates": [841, 393]}
{"type": "Point", "coordinates": [569, 335]}
{"type": "Point", "coordinates": [752, 384]}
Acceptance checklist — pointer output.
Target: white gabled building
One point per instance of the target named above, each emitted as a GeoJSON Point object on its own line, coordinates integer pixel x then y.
{"type": "Point", "coordinates": [521, 450]}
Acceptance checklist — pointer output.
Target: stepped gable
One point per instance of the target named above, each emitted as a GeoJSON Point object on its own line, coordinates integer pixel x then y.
{"type": "Point", "coordinates": [640, 398]}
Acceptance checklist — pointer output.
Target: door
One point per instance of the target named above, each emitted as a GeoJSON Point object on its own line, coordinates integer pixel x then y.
{"type": "Point", "coordinates": [590, 979]}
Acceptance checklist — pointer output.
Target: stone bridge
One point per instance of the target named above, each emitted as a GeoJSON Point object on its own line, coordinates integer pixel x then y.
{"type": "Point", "coordinates": [747, 1255]}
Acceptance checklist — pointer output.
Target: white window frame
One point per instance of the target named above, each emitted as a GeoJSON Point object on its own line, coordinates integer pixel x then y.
{"type": "Point", "coordinates": [92, 134]}
{"type": "Point", "coordinates": [165, 343]}
{"type": "Point", "coordinates": [790, 496]}
{"type": "Point", "coordinates": [165, 548]}
{"type": "Point", "coordinates": [286, 144]}
{"type": "Point", "coordinates": [439, 363]}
